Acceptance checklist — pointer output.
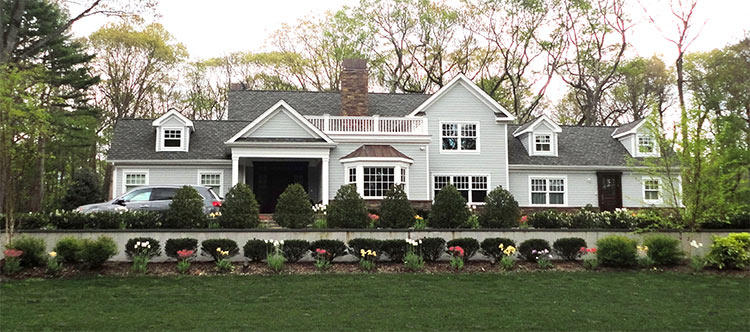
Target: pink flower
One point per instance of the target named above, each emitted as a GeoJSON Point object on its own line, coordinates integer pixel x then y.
{"type": "Point", "coordinates": [374, 216]}
{"type": "Point", "coordinates": [592, 250]}
{"type": "Point", "coordinates": [583, 249]}
{"type": "Point", "coordinates": [524, 219]}
{"type": "Point", "coordinates": [321, 251]}
{"type": "Point", "coordinates": [184, 253]}
{"type": "Point", "coordinates": [13, 253]}
{"type": "Point", "coordinates": [457, 250]}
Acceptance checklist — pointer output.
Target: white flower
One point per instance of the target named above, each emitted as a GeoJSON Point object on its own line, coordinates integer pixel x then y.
{"type": "Point", "coordinates": [149, 246]}
{"type": "Point", "coordinates": [138, 244]}
{"type": "Point", "coordinates": [695, 244]}
{"type": "Point", "coordinates": [281, 242]}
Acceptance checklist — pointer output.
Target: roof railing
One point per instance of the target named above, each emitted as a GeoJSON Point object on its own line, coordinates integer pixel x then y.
{"type": "Point", "coordinates": [370, 125]}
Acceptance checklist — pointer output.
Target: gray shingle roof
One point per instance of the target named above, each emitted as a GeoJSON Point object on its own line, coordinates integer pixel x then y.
{"type": "Point", "coordinates": [525, 125]}
{"type": "Point", "coordinates": [627, 126]}
{"type": "Point", "coordinates": [135, 139]}
{"type": "Point", "coordinates": [249, 104]}
{"type": "Point", "coordinates": [585, 146]}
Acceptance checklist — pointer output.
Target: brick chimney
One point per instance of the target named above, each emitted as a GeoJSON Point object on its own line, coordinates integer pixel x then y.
{"type": "Point", "coordinates": [354, 87]}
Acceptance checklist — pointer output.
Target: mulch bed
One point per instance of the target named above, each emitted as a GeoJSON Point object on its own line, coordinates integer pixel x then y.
{"type": "Point", "coordinates": [247, 268]}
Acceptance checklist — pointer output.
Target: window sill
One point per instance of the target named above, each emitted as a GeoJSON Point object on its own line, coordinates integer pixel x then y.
{"type": "Point", "coordinates": [459, 151]}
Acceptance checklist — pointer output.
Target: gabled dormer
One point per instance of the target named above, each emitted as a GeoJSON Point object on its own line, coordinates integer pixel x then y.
{"type": "Point", "coordinates": [173, 132]}
{"type": "Point", "coordinates": [636, 138]}
{"type": "Point", "coordinates": [539, 136]}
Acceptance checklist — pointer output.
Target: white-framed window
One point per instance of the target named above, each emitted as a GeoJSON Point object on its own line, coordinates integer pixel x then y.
{"type": "Point", "coordinates": [459, 136]}
{"type": "Point", "coordinates": [377, 181]}
{"type": "Point", "coordinates": [548, 190]}
{"type": "Point", "coordinates": [542, 142]}
{"type": "Point", "coordinates": [351, 176]}
{"type": "Point", "coordinates": [472, 187]}
{"type": "Point", "coordinates": [213, 179]}
{"type": "Point", "coordinates": [651, 190]}
{"type": "Point", "coordinates": [172, 139]}
{"type": "Point", "coordinates": [133, 179]}
{"type": "Point", "coordinates": [646, 145]}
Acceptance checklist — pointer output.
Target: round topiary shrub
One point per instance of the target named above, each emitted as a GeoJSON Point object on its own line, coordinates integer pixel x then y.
{"type": "Point", "coordinates": [549, 219]}
{"type": "Point", "coordinates": [335, 248]}
{"type": "Point", "coordinates": [85, 189]}
{"type": "Point", "coordinates": [208, 248]}
{"type": "Point", "coordinates": [348, 209]}
{"type": "Point", "coordinates": [663, 250]}
{"type": "Point", "coordinates": [154, 251]}
{"type": "Point", "coordinates": [94, 253]}
{"type": "Point", "coordinates": [470, 246]}
{"type": "Point", "coordinates": [432, 248]}
{"type": "Point", "coordinates": [449, 209]}
{"type": "Point", "coordinates": [528, 248]}
{"type": "Point", "coordinates": [34, 250]}
{"type": "Point", "coordinates": [490, 247]}
{"type": "Point", "coordinates": [396, 210]}
{"type": "Point", "coordinates": [569, 248]}
{"type": "Point", "coordinates": [294, 250]}
{"type": "Point", "coordinates": [500, 210]}
{"type": "Point", "coordinates": [68, 249]}
{"type": "Point", "coordinates": [355, 245]}
{"type": "Point", "coordinates": [395, 249]}
{"type": "Point", "coordinates": [239, 208]}
{"type": "Point", "coordinates": [617, 251]}
{"type": "Point", "coordinates": [256, 250]}
{"type": "Point", "coordinates": [186, 210]}
{"type": "Point", "coordinates": [172, 246]}
{"type": "Point", "coordinates": [293, 209]}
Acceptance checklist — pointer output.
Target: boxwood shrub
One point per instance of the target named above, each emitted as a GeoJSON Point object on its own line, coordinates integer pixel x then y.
{"type": "Point", "coordinates": [526, 248]}
{"type": "Point", "coordinates": [449, 209]}
{"type": "Point", "coordinates": [94, 253]}
{"type": "Point", "coordinates": [490, 247]}
{"type": "Point", "coordinates": [172, 246]}
{"type": "Point", "coordinates": [731, 251]}
{"type": "Point", "coordinates": [396, 249]}
{"type": "Point", "coordinates": [34, 250]}
{"type": "Point", "coordinates": [208, 248]}
{"type": "Point", "coordinates": [293, 208]}
{"type": "Point", "coordinates": [239, 208]}
{"type": "Point", "coordinates": [154, 251]}
{"type": "Point", "coordinates": [355, 245]}
{"type": "Point", "coordinates": [569, 248]}
{"type": "Point", "coordinates": [663, 250]}
{"type": "Point", "coordinates": [335, 248]}
{"type": "Point", "coordinates": [69, 249]}
{"type": "Point", "coordinates": [294, 250]}
{"type": "Point", "coordinates": [186, 210]}
{"type": "Point", "coordinates": [348, 209]}
{"type": "Point", "coordinates": [500, 211]}
{"type": "Point", "coordinates": [432, 248]}
{"type": "Point", "coordinates": [617, 251]}
{"type": "Point", "coordinates": [256, 250]}
{"type": "Point", "coordinates": [396, 210]}
{"type": "Point", "coordinates": [470, 246]}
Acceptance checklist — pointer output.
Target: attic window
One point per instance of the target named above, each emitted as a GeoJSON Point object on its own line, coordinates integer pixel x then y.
{"type": "Point", "coordinates": [542, 143]}
{"type": "Point", "coordinates": [645, 144]}
{"type": "Point", "coordinates": [172, 138]}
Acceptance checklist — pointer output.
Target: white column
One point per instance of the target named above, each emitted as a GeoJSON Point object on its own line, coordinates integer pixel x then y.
{"type": "Point", "coordinates": [324, 180]}
{"type": "Point", "coordinates": [235, 170]}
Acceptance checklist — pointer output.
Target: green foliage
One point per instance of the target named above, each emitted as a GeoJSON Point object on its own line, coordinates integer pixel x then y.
{"type": "Point", "coordinates": [293, 208]}
{"type": "Point", "coordinates": [396, 210]}
{"type": "Point", "coordinates": [525, 250]}
{"type": "Point", "coordinates": [617, 251]}
{"type": "Point", "coordinates": [490, 247]}
{"type": "Point", "coordinates": [34, 250]}
{"type": "Point", "coordinates": [449, 209]}
{"type": "Point", "coordinates": [569, 248]}
{"type": "Point", "coordinates": [470, 246]}
{"type": "Point", "coordinates": [731, 251]}
{"type": "Point", "coordinates": [68, 249]}
{"type": "Point", "coordinates": [413, 262]}
{"type": "Point", "coordinates": [85, 189]}
{"type": "Point", "coordinates": [209, 248]}
{"type": "Point", "coordinates": [663, 250]}
{"type": "Point", "coordinates": [335, 248]}
{"type": "Point", "coordinates": [348, 209]}
{"type": "Point", "coordinates": [432, 248]}
{"type": "Point", "coordinates": [186, 210]}
{"type": "Point", "coordinates": [294, 250]}
{"type": "Point", "coordinates": [239, 208]}
{"type": "Point", "coordinates": [320, 224]}
{"type": "Point", "coordinates": [256, 250]}
{"type": "Point", "coordinates": [395, 249]}
{"type": "Point", "coordinates": [500, 211]}
{"type": "Point", "coordinates": [276, 261]}
{"type": "Point", "coordinates": [548, 219]}
{"type": "Point", "coordinates": [172, 246]}
{"type": "Point", "coordinates": [355, 245]}
{"type": "Point", "coordinates": [131, 250]}
{"type": "Point", "coordinates": [94, 253]}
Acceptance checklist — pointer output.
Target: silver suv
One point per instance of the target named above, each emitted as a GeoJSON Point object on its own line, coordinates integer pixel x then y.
{"type": "Point", "coordinates": [152, 198]}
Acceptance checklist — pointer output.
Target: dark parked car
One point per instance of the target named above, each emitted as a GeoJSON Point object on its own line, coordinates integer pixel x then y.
{"type": "Point", "coordinates": [152, 198]}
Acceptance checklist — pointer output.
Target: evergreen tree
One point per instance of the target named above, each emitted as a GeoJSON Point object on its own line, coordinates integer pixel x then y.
{"type": "Point", "coordinates": [348, 209]}
{"type": "Point", "coordinates": [396, 210]}
{"type": "Point", "coordinates": [186, 210]}
{"type": "Point", "coordinates": [500, 210]}
{"type": "Point", "coordinates": [293, 209]}
{"type": "Point", "coordinates": [239, 209]}
{"type": "Point", "coordinates": [85, 189]}
{"type": "Point", "coordinates": [449, 209]}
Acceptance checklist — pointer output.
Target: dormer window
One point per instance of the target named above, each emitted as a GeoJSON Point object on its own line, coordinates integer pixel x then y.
{"type": "Point", "coordinates": [646, 144]}
{"type": "Point", "coordinates": [172, 138]}
{"type": "Point", "coordinates": [542, 142]}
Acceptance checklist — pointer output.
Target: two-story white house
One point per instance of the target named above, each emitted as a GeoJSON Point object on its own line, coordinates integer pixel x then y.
{"type": "Point", "coordinates": [322, 140]}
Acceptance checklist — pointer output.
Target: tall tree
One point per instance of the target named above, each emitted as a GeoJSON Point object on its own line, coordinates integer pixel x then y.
{"type": "Point", "coordinates": [644, 85]}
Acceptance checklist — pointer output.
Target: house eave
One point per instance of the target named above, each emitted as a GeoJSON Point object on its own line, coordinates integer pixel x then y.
{"type": "Point", "coordinates": [168, 161]}
{"type": "Point", "coordinates": [282, 144]}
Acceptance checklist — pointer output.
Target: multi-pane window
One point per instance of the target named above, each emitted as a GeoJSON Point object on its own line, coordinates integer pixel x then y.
{"type": "Point", "coordinates": [351, 176]}
{"type": "Point", "coordinates": [472, 187]}
{"type": "Point", "coordinates": [172, 138]}
{"type": "Point", "coordinates": [645, 144]}
{"type": "Point", "coordinates": [403, 175]}
{"type": "Point", "coordinates": [377, 181]}
{"type": "Point", "coordinates": [212, 180]}
{"type": "Point", "coordinates": [459, 136]}
{"type": "Point", "coordinates": [651, 189]}
{"type": "Point", "coordinates": [135, 180]}
{"type": "Point", "coordinates": [547, 191]}
{"type": "Point", "coordinates": [542, 143]}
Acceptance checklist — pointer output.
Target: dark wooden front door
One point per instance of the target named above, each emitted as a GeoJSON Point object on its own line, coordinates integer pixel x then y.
{"type": "Point", "coordinates": [610, 190]}
{"type": "Point", "coordinates": [270, 179]}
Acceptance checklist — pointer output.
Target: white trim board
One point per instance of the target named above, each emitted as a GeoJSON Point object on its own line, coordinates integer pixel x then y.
{"type": "Point", "coordinates": [307, 125]}
{"type": "Point", "coordinates": [474, 89]}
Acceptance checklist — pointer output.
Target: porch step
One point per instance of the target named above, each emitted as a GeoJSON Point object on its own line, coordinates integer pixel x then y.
{"type": "Point", "coordinates": [266, 221]}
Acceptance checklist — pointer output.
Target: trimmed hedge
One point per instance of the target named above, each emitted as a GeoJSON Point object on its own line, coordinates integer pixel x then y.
{"type": "Point", "coordinates": [154, 251]}
{"type": "Point", "coordinates": [256, 250]}
{"type": "Point", "coordinates": [335, 248]}
{"type": "Point", "coordinates": [396, 249]}
{"type": "Point", "coordinates": [526, 248]}
{"type": "Point", "coordinates": [69, 249]}
{"type": "Point", "coordinates": [617, 251]}
{"type": "Point", "coordinates": [172, 246]}
{"type": "Point", "coordinates": [569, 248]}
{"type": "Point", "coordinates": [355, 245]}
{"type": "Point", "coordinates": [208, 248]}
{"type": "Point", "coordinates": [94, 253]}
{"type": "Point", "coordinates": [663, 250]}
{"type": "Point", "coordinates": [432, 248]}
{"type": "Point", "coordinates": [34, 250]}
{"type": "Point", "coordinates": [470, 246]}
{"type": "Point", "coordinates": [490, 247]}
{"type": "Point", "coordinates": [294, 250]}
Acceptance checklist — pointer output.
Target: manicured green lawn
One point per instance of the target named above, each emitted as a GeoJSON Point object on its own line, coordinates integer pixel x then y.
{"type": "Point", "coordinates": [519, 301]}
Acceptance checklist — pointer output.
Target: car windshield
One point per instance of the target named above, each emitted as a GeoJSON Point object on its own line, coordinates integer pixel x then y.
{"type": "Point", "coordinates": [213, 193]}
{"type": "Point", "coordinates": [137, 195]}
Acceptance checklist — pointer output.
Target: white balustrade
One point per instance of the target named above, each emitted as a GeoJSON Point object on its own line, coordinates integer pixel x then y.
{"type": "Point", "coordinates": [362, 125]}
